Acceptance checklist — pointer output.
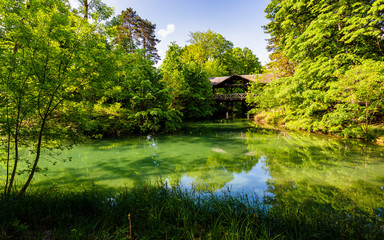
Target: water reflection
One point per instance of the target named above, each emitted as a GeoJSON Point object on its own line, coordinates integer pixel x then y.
{"type": "Point", "coordinates": [215, 157]}
{"type": "Point", "coordinates": [253, 181]}
{"type": "Point", "coordinates": [303, 179]}
{"type": "Point", "coordinates": [321, 177]}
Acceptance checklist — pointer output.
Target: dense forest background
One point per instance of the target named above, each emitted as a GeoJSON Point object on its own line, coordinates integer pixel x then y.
{"type": "Point", "coordinates": [327, 67]}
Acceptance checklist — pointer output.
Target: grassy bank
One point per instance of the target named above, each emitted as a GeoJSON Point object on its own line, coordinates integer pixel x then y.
{"type": "Point", "coordinates": [160, 213]}
{"type": "Point", "coordinates": [373, 132]}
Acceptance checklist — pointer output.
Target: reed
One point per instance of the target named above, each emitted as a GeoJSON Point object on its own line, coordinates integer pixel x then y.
{"type": "Point", "coordinates": [160, 212]}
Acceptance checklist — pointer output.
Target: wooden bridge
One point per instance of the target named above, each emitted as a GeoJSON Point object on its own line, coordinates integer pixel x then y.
{"type": "Point", "coordinates": [232, 89]}
{"type": "Point", "coordinates": [230, 97]}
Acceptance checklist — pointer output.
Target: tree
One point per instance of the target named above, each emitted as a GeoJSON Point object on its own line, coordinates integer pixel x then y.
{"type": "Point", "coordinates": [135, 32]}
{"type": "Point", "coordinates": [148, 40]}
{"type": "Point", "coordinates": [189, 82]}
{"type": "Point", "coordinates": [130, 98]}
{"type": "Point", "coordinates": [207, 49]}
{"type": "Point", "coordinates": [127, 26]}
{"type": "Point", "coordinates": [48, 55]}
{"type": "Point", "coordinates": [95, 8]}
{"type": "Point", "coordinates": [241, 61]}
{"type": "Point", "coordinates": [212, 45]}
{"type": "Point", "coordinates": [323, 40]}
{"type": "Point", "coordinates": [361, 91]}
{"type": "Point", "coordinates": [280, 65]}
{"type": "Point", "coordinates": [217, 56]}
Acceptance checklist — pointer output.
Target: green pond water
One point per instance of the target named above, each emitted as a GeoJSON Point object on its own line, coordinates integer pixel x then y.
{"type": "Point", "coordinates": [216, 157]}
{"type": "Point", "coordinates": [210, 157]}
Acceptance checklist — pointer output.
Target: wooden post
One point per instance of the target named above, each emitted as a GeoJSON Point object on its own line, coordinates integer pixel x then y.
{"type": "Point", "coordinates": [244, 108]}
{"type": "Point", "coordinates": [232, 109]}
{"type": "Point", "coordinates": [227, 108]}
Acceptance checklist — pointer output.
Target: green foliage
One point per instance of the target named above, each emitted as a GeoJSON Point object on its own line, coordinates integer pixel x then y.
{"type": "Point", "coordinates": [170, 213]}
{"type": "Point", "coordinates": [211, 45]}
{"type": "Point", "coordinates": [129, 97]}
{"type": "Point", "coordinates": [327, 42]}
{"type": "Point", "coordinates": [241, 61]}
{"type": "Point", "coordinates": [217, 56]}
{"type": "Point", "coordinates": [61, 77]}
{"type": "Point", "coordinates": [48, 54]}
{"type": "Point", "coordinates": [361, 90]}
{"type": "Point", "coordinates": [133, 33]}
{"type": "Point", "coordinates": [95, 9]}
{"type": "Point", "coordinates": [190, 85]}
{"type": "Point", "coordinates": [139, 213]}
{"type": "Point", "coordinates": [207, 50]}
{"type": "Point", "coordinates": [280, 65]}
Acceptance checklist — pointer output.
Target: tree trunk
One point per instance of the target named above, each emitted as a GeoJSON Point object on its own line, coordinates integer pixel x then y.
{"type": "Point", "coordinates": [37, 158]}
{"type": "Point", "coordinates": [16, 139]}
{"type": "Point", "coordinates": [86, 9]}
{"type": "Point", "coordinates": [8, 152]}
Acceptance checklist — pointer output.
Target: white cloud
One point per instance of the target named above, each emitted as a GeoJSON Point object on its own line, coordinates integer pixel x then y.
{"type": "Point", "coordinates": [163, 33]}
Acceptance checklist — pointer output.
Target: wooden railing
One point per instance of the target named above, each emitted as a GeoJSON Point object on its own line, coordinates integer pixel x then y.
{"type": "Point", "coordinates": [231, 97]}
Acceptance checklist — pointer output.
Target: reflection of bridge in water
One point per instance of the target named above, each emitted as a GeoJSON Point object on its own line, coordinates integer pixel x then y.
{"type": "Point", "coordinates": [234, 88]}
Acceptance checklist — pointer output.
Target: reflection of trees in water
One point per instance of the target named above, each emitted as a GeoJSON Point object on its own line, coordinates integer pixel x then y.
{"type": "Point", "coordinates": [216, 171]}
{"type": "Point", "coordinates": [321, 176]}
{"type": "Point", "coordinates": [227, 154]}
{"type": "Point", "coordinates": [223, 147]}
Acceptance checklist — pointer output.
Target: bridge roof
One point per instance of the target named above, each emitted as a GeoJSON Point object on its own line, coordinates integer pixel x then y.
{"type": "Point", "coordinates": [250, 78]}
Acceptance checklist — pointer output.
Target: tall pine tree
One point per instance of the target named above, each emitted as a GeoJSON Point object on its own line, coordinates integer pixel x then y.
{"type": "Point", "coordinates": [137, 33]}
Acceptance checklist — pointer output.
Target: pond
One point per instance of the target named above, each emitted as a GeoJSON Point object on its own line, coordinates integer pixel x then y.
{"type": "Point", "coordinates": [209, 156]}
{"type": "Point", "coordinates": [216, 157]}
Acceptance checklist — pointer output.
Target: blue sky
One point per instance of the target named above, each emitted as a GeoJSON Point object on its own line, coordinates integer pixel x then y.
{"type": "Point", "coordinates": [239, 21]}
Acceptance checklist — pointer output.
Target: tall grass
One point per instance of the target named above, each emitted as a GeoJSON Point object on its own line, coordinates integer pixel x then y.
{"type": "Point", "coordinates": [150, 212]}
